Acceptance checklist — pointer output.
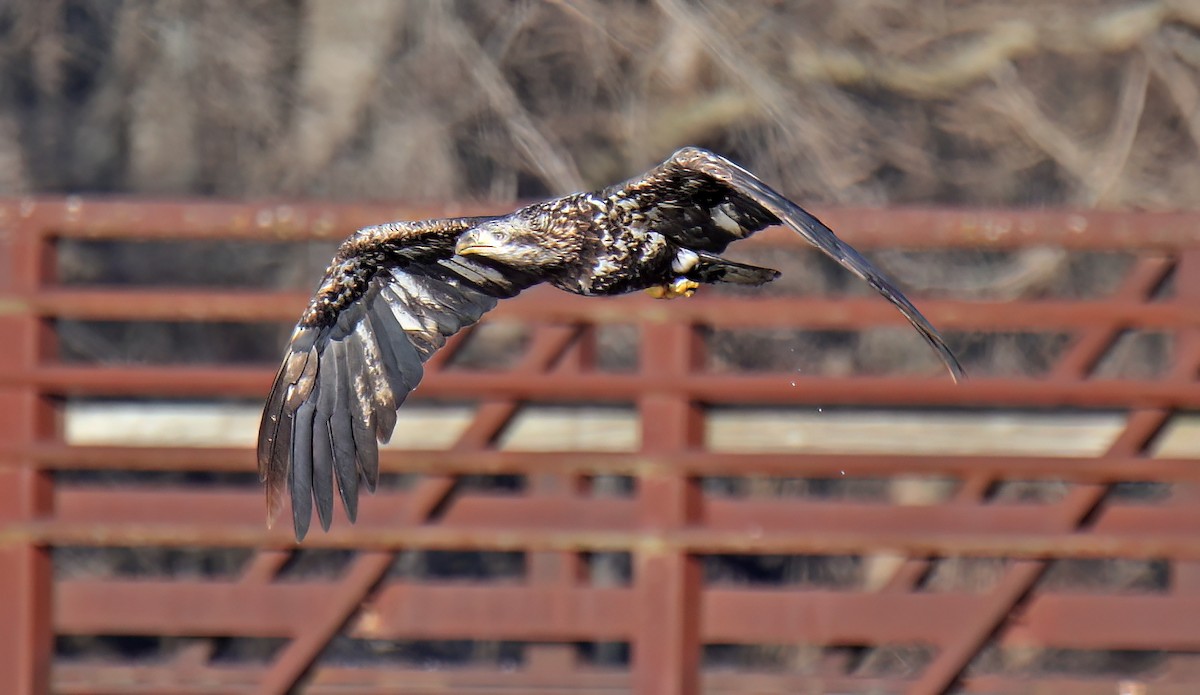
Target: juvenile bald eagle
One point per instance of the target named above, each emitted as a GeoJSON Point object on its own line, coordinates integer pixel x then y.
{"type": "Point", "coordinates": [395, 292]}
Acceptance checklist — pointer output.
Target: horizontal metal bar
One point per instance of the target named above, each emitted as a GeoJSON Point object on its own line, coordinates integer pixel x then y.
{"type": "Point", "coordinates": [698, 463]}
{"type": "Point", "coordinates": [1083, 684]}
{"type": "Point", "coordinates": [95, 678]}
{"type": "Point", "coordinates": [752, 516]}
{"type": "Point", "coordinates": [544, 305]}
{"type": "Point", "coordinates": [411, 611]}
{"type": "Point", "coordinates": [160, 304]}
{"type": "Point", "coordinates": [1182, 546]}
{"type": "Point", "coordinates": [252, 382]}
{"type": "Point", "coordinates": [78, 217]}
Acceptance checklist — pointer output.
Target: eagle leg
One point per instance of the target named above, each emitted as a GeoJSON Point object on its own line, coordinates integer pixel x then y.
{"type": "Point", "coordinates": [679, 287]}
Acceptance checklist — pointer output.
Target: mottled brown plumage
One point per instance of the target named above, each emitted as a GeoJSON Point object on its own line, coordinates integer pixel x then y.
{"type": "Point", "coordinates": [395, 292]}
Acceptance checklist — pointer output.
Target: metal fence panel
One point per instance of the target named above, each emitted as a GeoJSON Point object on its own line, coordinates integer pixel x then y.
{"type": "Point", "coordinates": [671, 615]}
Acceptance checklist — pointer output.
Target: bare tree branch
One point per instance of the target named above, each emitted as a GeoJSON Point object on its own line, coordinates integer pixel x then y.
{"type": "Point", "coordinates": [1110, 162]}
{"type": "Point", "coordinates": [553, 165]}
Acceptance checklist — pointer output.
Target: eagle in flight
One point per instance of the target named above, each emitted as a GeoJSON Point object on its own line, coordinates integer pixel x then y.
{"type": "Point", "coordinates": [395, 292]}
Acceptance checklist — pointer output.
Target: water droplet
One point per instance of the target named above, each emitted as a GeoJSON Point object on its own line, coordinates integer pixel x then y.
{"type": "Point", "coordinates": [793, 384]}
{"type": "Point", "coordinates": [843, 472]}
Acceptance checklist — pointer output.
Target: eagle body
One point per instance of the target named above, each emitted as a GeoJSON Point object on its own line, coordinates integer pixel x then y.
{"type": "Point", "coordinates": [616, 253]}
{"type": "Point", "coordinates": [395, 292]}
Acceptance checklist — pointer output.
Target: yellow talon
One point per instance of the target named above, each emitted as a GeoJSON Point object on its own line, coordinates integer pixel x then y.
{"type": "Point", "coordinates": [682, 287]}
{"type": "Point", "coordinates": [679, 287]}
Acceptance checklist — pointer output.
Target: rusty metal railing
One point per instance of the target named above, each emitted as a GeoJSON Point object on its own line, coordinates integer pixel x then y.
{"type": "Point", "coordinates": [667, 612]}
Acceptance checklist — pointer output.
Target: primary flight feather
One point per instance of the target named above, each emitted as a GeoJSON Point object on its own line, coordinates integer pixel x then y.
{"type": "Point", "coordinates": [395, 292]}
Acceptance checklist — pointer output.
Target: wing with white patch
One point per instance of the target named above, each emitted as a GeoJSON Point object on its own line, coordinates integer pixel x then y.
{"type": "Point", "coordinates": [703, 201]}
{"type": "Point", "coordinates": [391, 298]}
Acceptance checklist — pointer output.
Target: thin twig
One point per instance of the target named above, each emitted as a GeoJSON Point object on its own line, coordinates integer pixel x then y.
{"type": "Point", "coordinates": [553, 165]}
{"type": "Point", "coordinates": [1110, 162]}
{"type": "Point", "coordinates": [1020, 105]}
{"type": "Point", "coordinates": [776, 99]}
{"type": "Point", "coordinates": [1181, 86]}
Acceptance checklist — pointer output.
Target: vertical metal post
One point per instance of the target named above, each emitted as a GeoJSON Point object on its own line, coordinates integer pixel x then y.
{"type": "Point", "coordinates": [667, 649]}
{"type": "Point", "coordinates": [559, 569]}
{"type": "Point", "coordinates": [26, 636]}
{"type": "Point", "coordinates": [552, 569]}
{"type": "Point", "coordinates": [1186, 575]}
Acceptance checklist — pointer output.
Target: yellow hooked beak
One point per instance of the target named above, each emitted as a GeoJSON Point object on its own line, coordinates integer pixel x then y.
{"type": "Point", "coordinates": [479, 241]}
{"type": "Point", "coordinates": [467, 245]}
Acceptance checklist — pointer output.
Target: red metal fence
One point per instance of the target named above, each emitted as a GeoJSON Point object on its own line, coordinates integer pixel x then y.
{"type": "Point", "coordinates": [667, 612]}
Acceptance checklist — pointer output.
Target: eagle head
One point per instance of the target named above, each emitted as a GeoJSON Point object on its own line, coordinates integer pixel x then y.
{"type": "Point", "coordinates": [515, 243]}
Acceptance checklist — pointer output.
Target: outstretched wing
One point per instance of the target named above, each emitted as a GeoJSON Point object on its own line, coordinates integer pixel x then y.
{"type": "Point", "coordinates": [703, 201]}
{"type": "Point", "coordinates": [389, 300]}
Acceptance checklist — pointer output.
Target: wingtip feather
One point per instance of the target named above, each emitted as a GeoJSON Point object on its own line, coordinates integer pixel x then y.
{"type": "Point", "coordinates": [824, 239]}
{"type": "Point", "coordinates": [375, 363]}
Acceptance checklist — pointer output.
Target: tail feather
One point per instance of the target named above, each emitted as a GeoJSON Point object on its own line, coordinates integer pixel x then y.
{"type": "Point", "coordinates": [712, 269]}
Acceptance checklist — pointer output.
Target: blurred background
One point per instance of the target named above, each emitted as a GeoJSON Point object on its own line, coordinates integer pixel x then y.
{"type": "Point", "coordinates": [1078, 104]}
{"type": "Point", "coordinates": [1085, 103]}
